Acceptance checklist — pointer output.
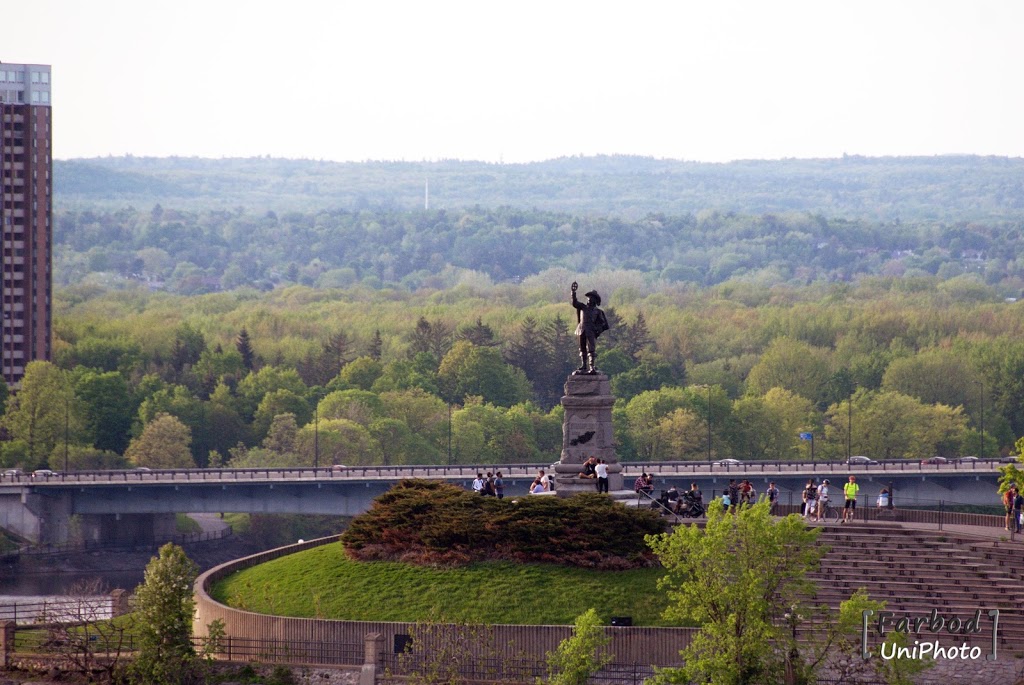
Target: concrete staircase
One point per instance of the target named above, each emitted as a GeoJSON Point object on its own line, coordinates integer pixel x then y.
{"type": "Point", "coordinates": [915, 571]}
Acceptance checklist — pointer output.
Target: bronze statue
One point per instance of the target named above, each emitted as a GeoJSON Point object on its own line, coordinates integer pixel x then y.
{"type": "Point", "coordinates": [590, 323]}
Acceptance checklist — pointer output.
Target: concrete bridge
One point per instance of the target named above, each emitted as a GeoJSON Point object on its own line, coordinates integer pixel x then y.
{"type": "Point", "coordinates": [138, 506]}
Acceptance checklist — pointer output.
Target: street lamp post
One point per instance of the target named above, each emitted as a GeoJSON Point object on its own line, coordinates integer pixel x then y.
{"type": "Point", "coordinates": [316, 436]}
{"type": "Point", "coordinates": [709, 423]}
{"type": "Point", "coordinates": [65, 435]}
{"type": "Point", "coordinates": [982, 452]}
{"type": "Point", "coordinates": [849, 427]}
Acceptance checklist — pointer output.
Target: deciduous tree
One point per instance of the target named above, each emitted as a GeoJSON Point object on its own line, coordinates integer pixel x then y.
{"type": "Point", "coordinates": [735, 578]}
{"type": "Point", "coordinates": [163, 610]}
{"type": "Point", "coordinates": [36, 414]}
{"type": "Point", "coordinates": [580, 657]}
{"type": "Point", "coordinates": [164, 444]}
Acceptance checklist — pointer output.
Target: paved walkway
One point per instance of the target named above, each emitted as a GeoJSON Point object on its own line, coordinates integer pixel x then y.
{"type": "Point", "coordinates": [209, 523]}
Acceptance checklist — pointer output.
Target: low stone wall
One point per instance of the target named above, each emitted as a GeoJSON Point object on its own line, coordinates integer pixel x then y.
{"type": "Point", "coordinates": [658, 646]}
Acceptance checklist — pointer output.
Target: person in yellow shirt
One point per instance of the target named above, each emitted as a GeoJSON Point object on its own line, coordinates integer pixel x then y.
{"type": "Point", "coordinates": [850, 490]}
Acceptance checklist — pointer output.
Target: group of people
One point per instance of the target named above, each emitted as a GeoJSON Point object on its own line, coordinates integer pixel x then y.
{"type": "Point", "coordinates": [490, 486]}
{"type": "Point", "coordinates": [1013, 501]}
{"type": "Point", "coordinates": [739, 493]}
{"type": "Point", "coordinates": [542, 483]}
{"type": "Point", "coordinates": [598, 470]}
{"type": "Point", "coordinates": [816, 499]}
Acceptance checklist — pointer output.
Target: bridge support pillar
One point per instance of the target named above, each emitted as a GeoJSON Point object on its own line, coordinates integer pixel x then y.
{"type": "Point", "coordinates": [42, 519]}
{"type": "Point", "coordinates": [125, 529]}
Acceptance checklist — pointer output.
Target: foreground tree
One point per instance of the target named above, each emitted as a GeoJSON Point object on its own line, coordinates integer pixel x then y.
{"type": "Point", "coordinates": [580, 657]}
{"type": "Point", "coordinates": [736, 578]}
{"type": "Point", "coordinates": [163, 610]}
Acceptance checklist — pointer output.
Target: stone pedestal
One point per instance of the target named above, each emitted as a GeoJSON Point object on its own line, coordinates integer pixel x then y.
{"type": "Point", "coordinates": [586, 432]}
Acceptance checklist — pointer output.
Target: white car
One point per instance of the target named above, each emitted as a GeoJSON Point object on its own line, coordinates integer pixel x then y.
{"type": "Point", "coordinates": [860, 459]}
{"type": "Point", "coordinates": [43, 473]}
{"type": "Point", "coordinates": [727, 462]}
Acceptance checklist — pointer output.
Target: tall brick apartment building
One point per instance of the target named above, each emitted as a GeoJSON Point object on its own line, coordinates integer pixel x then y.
{"type": "Point", "coordinates": [26, 172]}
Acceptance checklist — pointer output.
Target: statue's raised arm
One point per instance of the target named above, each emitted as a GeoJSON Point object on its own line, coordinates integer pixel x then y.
{"type": "Point", "coordinates": [590, 323]}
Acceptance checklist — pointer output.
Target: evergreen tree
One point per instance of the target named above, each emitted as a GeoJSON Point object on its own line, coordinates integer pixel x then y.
{"type": "Point", "coordinates": [376, 348]}
{"type": "Point", "coordinates": [635, 337]}
{"type": "Point", "coordinates": [419, 340]}
{"type": "Point", "coordinates": [480, 334]}
{"type": "Point", "coordinates": [558, 338]}
{"type": "Point", "coordinates": [244, 347]}
{"type": "Point", "coordinates": [335, 353]}
{"type": "Point", "coordinates": [528, 351]}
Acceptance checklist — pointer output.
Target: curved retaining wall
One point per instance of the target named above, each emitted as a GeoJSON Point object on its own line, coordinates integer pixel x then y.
{"type": "Point", "coordinates": [644, 645]}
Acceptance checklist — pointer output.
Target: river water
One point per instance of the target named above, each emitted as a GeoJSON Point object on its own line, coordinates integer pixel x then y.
{"type": "Point", "coordinates": [27, 597]}
{"type": "Point", "coordinates": [53, 584]}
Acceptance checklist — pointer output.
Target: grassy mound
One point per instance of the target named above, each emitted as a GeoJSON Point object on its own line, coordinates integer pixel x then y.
{"type": "Point", "coordinates": [435, 523]}
{"type": "Point", "coordinates": [325, 583]}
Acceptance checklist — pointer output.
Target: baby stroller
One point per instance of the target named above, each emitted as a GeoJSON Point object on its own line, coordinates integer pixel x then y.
{"type": "Point", "coordinates": [690, 506]}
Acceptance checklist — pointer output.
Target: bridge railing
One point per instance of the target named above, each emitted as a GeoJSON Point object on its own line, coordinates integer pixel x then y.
{"type": "Point", "coordinates": [509, 470]}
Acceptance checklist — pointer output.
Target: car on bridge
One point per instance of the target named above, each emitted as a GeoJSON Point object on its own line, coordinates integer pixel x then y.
{"type": "Point", "coordinates": [935, 460]}
{"type": "Point", "coordinates": [726, 462]}
{"type": "Point", "coordinates": [861, 459]}
{"type": "Point", "coordinates": [43, 473]}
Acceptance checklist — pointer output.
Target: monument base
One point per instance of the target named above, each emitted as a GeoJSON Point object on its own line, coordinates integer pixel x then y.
{"type": "Point", "coordinates": [586, 432]}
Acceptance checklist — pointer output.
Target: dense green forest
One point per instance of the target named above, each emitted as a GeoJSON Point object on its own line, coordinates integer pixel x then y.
{"type": "Point", "coordinates": [370, 375]}
{"type": "Point", "coordinates": [272, 312]}
{"type": "Point", "coordinates": [197, 226]}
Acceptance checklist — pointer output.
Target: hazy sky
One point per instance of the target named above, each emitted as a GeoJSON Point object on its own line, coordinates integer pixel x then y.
{"type": "Point", "coordinates": [709, 80]}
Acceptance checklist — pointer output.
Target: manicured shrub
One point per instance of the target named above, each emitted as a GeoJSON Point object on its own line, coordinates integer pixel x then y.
{"type": "Point", "coordinates": [436, 523]}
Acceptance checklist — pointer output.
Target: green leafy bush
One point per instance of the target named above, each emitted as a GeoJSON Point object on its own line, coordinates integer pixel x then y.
{"type": "Point", "coordinates": [435, 523]}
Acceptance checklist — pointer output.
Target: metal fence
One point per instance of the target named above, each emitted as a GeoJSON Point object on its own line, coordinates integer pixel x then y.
{"type": "Point", "coordinates": [60, 610]}
{"type": "Point", "coordinates": [284, 651]}
{"type": "Point", "coordinates": [503, 669]}
{"type": "Point", "coordinates": [36, 640]}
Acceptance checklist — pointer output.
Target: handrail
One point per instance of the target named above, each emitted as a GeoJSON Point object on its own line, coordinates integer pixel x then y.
{"type": "Point", "coordinates": [469, 471]}
{"type": "Point", "coordinates": [641, 495]}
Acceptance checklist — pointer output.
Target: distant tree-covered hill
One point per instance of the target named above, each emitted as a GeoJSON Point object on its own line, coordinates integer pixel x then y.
{"type": "Point", "coordinates": [193, 252]}
{"type": "Point", "coordinates": [946, 188]}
